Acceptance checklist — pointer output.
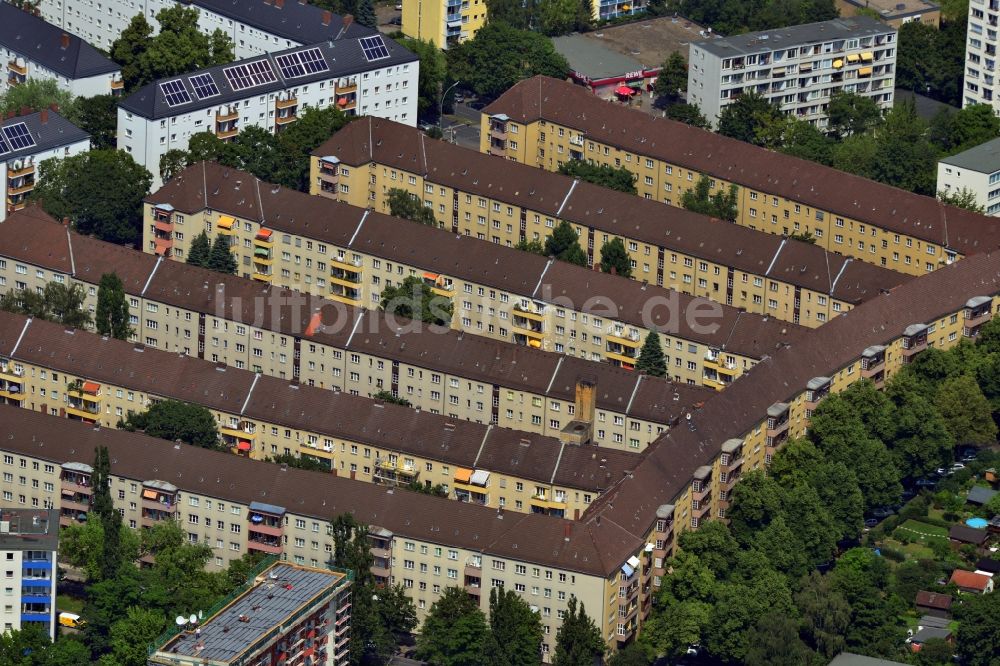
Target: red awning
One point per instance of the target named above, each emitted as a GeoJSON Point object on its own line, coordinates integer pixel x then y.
{"type": "Point", "coordinates": [264, 234]}
{"type": "Point", "coordinates": [91, 387]}
{"type": "Point", "coordinates": [342, 101]}
{"type": "Point", "coordinates": [624, 90]}
{"type": "Point", "coordinates": [243, 446]}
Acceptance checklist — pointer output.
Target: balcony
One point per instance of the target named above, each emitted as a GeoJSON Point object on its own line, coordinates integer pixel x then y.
{"type": "Point", "coordinates": [732, 455]}
{"type": "Point", "coordinates": [393, 471]}
{"type": "Point", "coordinates": [264, 239]}
{"type": "Point", "coordinates": [285, 119]}
{"type": "Point", "coordinates": [226, 225]}
{"type": "Point", "coordinates": [164, 226]}
{"type": "Point", "coordinates": [270, 548]}
{"type": "Point", "coordinates": [978, 311]}
{"type": "Point", "coordinates": [23, 171]}
{"type": "Point", "coordinates": [440, 285]}
{"type": "Point", "coordinates": [530, 311]}
{"type": "Point", "coordinates": [914, 340]}
{"type": "Point", "coordinates": [18, 67]}
{"type": "Point", "coordinates": [163, 246]}
{"type": "Point", "coordinates": [227, 116]}
{"type": "Point", "coordinates": [473, 567]}
{"type": "Point", "coordinates": [14, 188]}
{"type": "Point", "coordinates": [262, 275]}
{"type": "Point", "coordinates": [551, 507]}
{"type": "Point", "coordinates": [227, 132]}
{"type": "Point", "coordinates": [777, 419]}
{"type": "Point", "coordinates": [345, 295]}
{"type": "Point", "coordinates": [287, 103]}
{"type": "Point", "coordinates": [346, 86]}
{"type": "Point", "coordinates": [817, 388]}
{"type": "Point", "coordinates": [347, 102]}
{"type": "Point", "coordinates": [621, 356]}
{"type": "Point", "coordinates": [77, 409]}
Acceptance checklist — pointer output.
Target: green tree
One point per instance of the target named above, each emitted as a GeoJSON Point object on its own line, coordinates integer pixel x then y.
{"type": "Point", "coordinates": [904, 157]}
{"type": "Point", "coordinates": [103, 509]}
{"type": "Point", "coordinates": [201, 249]}
{"type": "Point", "coordinates": [962, 198]}
{"type": "Point", "coordinates": [605, 175]}
{"type": "Point", "coordinates": [300, 462]}
{"type": "Point", "coordinates": [366, 14]}
{"type": "Point", "coordinates": [112, 314]}
{"type": "Point", "coordinates": [130, 47]}
{"type": "Point", "coordinates": [220, 257]}
{"type": "Point", "coordinates": [850, 113]}
{"type": "Point", "coordinates": [564, 245]}
{"type": "Point", "coordinates": [731, 630]}
{"type": "Point", "coordinates": [515, 13]}
{"type": "Point", "coordinates": [499, 56]}
{"type": "Point", "coordinates": [515, 630]}
{"type": "Point", "coordinates": [578, 641]}
{"type": "Point", "coordinates": [955, 131]}
{"type": "Point", "coordinates": [58, 302]}
{"type": "Point", "coordinates": [101, 191]}
{"type": "Point", "coordinates": [778, 643]}
{"type": "Point", "coordinates": [35, 95]}
{"type": "Point", "coordinates": [675, 625]}
{"type": "Point", "coordinates": [804, 140]}
{"type": "Point", "coordinates": [387, 396]}
{"type": "Point", "coordinates": [749, 118]}
{"type": "Point", "coordinates": [689, 114]}
{"type": "Point", "coordinates": [409, 207]}
{"type": "Point", "coordinates": [651, 359]}
{"type": "Point", "coordinates": [671, 83]}
{"type": "Point", "coordinates": [615, 258]}
{"type": "Point", "coordinates": [98, 116]}
{"type": "Point", "coordinates": [175, 420]}
{"type": "Point", "coordinates": [534, 246]}
{"type": "Point", "coordinates": [912, 576]}
{"type": "Point", "coordinates": [721, 204]}
{"type": "Point", "coordinates": [294, 145]}
{"type": "Point", "coordinates": [966, 412]}
{"type": "Point", "coordinates": [454, 632]}
{"type": "Point", "coordinates": [978, 636]}
{"type": "Point", "coordinates": [414, 299]}
{"type": "Point", "coordinates": [825, 615]}
{"type": "Point", "coordinates": [561, 17]}
{"type": "Point", "coordinates": [433, 69]}
{"type": "Point", "coordinates": [131, 635]}
{"type": "Point", "coordinates": [396, 611]}
{"type": "Point", "coordinates": [930, 61]}
{"type": "Point", "coordinates": [633, 654]}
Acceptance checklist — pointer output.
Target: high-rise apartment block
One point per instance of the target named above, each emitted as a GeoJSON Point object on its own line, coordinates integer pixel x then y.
{"type": "Point", "coordinates": [29, 540]}
{"type": "Point", "coordinates": [981, 53]}
{"type": "Point", "coordinates": [797, 68]}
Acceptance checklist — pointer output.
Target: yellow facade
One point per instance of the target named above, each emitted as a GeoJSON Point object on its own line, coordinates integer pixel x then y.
{"type": "Point", "coordinates": [358, 279]}
{"type": "Point", "coordinates": [546, 145]}
{"type": "Point", "coordinates": [499, 221]}
{"type": "Point", "coordinates": [444, 23]}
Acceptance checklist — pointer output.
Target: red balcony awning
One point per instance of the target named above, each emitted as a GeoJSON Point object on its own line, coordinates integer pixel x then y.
{"type": "Point", "coordinates": [624, 91]}
{"type": "Point", "coordinates": [164, 226]}
{"type": "Point", "coordinates": [91, 387]}
{"type": "Point", "coordinates": [243, 445]}
{"type": "Point", "coordinates": [264, 234]}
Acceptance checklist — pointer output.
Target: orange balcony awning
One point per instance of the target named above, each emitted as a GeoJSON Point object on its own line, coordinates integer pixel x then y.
{"type": "Point", "coordinates": [226, 222]}
{"type": "Point", "coordinates": [463, 475]}
{"type": "Point", "coordinates": [243, 445]}
{"type": "Point", "coordinates": [148, 494]}
{"type": "Point", "coordinates": [263, 234]}
{"type": "Point", "coordinates": [431, 276]}
{"type": "Point", "coordinates": [91, 387]}
{"type": "Point", "coordinates": [163, 226]}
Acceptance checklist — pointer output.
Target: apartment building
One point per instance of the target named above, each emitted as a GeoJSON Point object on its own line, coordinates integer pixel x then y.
{"type": "Point", "coordinates": [358, 351]}
{"type": "Point", "coordinates": [214, 497]}
{"type": "Point", "coordinates": [255, 26]}
{"type": "Point", "coordinates": [444, 23]}
{"type": "Point", "coordinates": [261, 416]}
{"type": "Point", "coordinates": [25, 142]}
{"type": "Point", "coordinates": [35, 49]}
{"type": "Point", "coordinates": [542, 121]}
{"type": "Point", "coordinates": [895, 12]}
{"type": "Point", "coordinates": [369, 75]}
{"type": "Point", "coordinates": [353, 254]}
{"type": "Point", "coordinates": [976, 170]}
{"type": "Point", "coordinates": [981, 54]}
{"type": "Point", "coordinates": [29, 543]}
{"type": "Point", "coordinates": [780, 277]}
{"type": "Point", "coordinates": [797, 68]}
{"type": "Point", "coordinates": [293, 614]}
{"type": "Point", "coordinates": [613, 557]}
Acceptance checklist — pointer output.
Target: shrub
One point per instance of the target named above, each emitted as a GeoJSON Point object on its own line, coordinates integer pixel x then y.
{"type": "Point", "coordinates": [892, 554]}
{"type": "Point", "coordinates": [939, 547]}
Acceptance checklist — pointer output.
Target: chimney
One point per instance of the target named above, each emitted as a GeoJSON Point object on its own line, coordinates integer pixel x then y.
{"type": "Point", "coordinates": [348, 20]}
{"type": "Point", "coordinates": [64, 41]}
{"type": "Point", "coordinates": [25, 110]}
{"type": "Point", "coordinates": [43, 116]}
{"type": "Point", "coordinates": [65, 221]}
{"type": "Point", "coordinates": [327, 16]}
{"type": "Point", "coordinates": [279, 3]}
{"type": "Point", "coordinates": [586, 398]}
{"type": "Point", "coordinates": [567, 530]}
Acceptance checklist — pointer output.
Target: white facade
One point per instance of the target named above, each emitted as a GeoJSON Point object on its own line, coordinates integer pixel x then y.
{"type": "Point", "coordinates": [981, 54]}
{"type": "Point", "coordinates": [20, 68]}
{"type": "Point", "coordinates": [796, 68]}
{"type": "Point", "coordinates": [101, 22]}
{"type": "Point", "coordinates": [976, 170]}
{"type": "Point", "coordinates": [28, 570]}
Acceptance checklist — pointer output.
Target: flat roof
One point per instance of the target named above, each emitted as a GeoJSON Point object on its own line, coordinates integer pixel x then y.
{"type": "Point", "coordinates": [589, 58]}
{"type": "Point", "coordinates": [807, 33]}
{"type": "Point", "coordinates": [276, 596]}
{"type": "Point", "coordinates": [29, 529]}
{"type": "Point", "coordinates": [892, 9]}
{"type": "Point", "coordinates": [984, 158]}
{"type": "Point", "coordinates": [294, 20]}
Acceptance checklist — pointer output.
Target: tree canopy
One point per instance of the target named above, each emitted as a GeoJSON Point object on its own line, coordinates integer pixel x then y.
{"type": "Point", "coordinates": [564, 245]}
{"type": "Point", "coordinates": [721, 204]}
{"type": "Point", "coordinates": [414, 299]}
{"type": "Point", "coordinates": [615, 258]}
{"type": "Point", "coordinates": [174, 420]}
{"type": "Point", "coordinates": [111, 317]}
{"type": "Point", "coordinates": [578, 641]}
{"type": "Point", "coordinates": [409, 207]}
{"type": "Point", "coordinates": [616, 178]}
{"type": "Point", "coordinates": [672, 81]}
{"type": "Point", "coordinates": [455, 632]}
{"type": "Point", "coordinates": [58, 302]}
{"type": "Point", "coordinates": [433, 70]}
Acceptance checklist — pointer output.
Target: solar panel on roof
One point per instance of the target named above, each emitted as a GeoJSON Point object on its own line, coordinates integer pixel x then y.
{"type": "Point", "coordinates": [175, 93]}
{"type": "Point", "coordinates": [249, 75]}
{"type": "Point", "coordinates": [18, 136]}
{"type": "Point", "coordinates": [204, 85]}
{"type": "Point", "coordinates": [313, 61]}
{"type": "Point", "coordinates": [374, 48]}
{"type": "Point", "coordinates": [4, 148]}
{"type": "Point", "coordinates": [294, 65]}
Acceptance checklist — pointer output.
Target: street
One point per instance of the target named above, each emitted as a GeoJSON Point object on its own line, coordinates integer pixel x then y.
{"type": "Point", "coordinates": [462, 126]}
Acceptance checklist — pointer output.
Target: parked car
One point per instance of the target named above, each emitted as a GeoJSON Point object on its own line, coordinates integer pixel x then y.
{"type": "Point", "coordinates": [882, 512]}
{"type": "Point", "coordinates": [957, 466]}
{"type": "Point", "coordinates": [871, 522]}
{"type": "Point", "coordinates": [71, 620]}
{"type": "Point", "coordinates": [399, 6]}
{"type": "Point", "coordinates": [941, 471]}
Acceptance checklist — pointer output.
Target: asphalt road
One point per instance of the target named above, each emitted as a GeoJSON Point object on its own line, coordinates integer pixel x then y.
{"type": "Point", "coordinates": [460, 133]}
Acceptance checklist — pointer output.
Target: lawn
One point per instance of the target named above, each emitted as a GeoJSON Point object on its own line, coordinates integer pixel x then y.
{"type": "Point", "coordinates": [922, 531]}
{"type": "Point", "coordinates": [68, 604]}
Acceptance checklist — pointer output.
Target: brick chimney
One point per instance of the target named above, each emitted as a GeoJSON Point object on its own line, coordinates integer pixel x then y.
{"type": "Point", "coordinates": [327, 16]}
{"type": "Point", "coordinates": [348, 20]}
{"type": "Point", "coordinates": [64, 41]}
{"type": "Point", "coordinates": [65, 221]}
{"type": "Point", "coordinates": [567, 530]}
{"type": "Point", "coordinates": [25, 110]}
{"type": "Point", "coordinates": [43, 116]}
{"type": "Point", "coordinates": [279, 3]}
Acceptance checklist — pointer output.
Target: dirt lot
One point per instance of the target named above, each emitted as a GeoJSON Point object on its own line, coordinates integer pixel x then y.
{"type": "Point", "coordinates": [650, 42]}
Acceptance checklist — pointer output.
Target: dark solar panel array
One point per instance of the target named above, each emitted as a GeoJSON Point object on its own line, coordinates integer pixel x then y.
{"type": "Point", "coordinates": [18, 136]}
{"type": "Point", "coordinates": [175, 93]}
{"type": "Point", "coordinates": [374, 48]}
{"type": "Point", "coordinates": [204, 86]}
{"type": "Point", "coordinates": [250, 75]}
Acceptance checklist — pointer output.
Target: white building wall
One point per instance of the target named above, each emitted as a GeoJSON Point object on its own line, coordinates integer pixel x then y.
{"type": "Point", "coordinates": [34, 160]}
{"type": "Point", "coordinates": [388, 92]}
{"type": "Point", "coordinates": [12, 574]}
{"type": "Point", "coordinates": [83, 87]}
{"type": "Point", "coordinates": [981, 54]}
{"type": "Point", "coordinates": [986, 186]}
{"type": "Point", "coordinates": [100, 23]}
{"type": "Point", "coordinates": [800, 83]}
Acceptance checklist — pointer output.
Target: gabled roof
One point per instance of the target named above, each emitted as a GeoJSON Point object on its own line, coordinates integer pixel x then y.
{"type": "Point", "coordinates": [41, 42]}
{"type": "Point", "coordinates": [342, 57]}
{"type": "Point", "coordinates": [967, 534]}
{"type": "Point", "coordinates": [970, 579]}
{"type": "Point", "coordinates": [927, 633]}
{"type": "Point", "coordinates": [980, 495]}
{"type": "Point", "coordinates": [933, 600]}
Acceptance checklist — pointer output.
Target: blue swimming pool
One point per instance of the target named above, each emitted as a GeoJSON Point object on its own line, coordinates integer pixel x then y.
{"type": "Point", "coordinates": [978, 523]}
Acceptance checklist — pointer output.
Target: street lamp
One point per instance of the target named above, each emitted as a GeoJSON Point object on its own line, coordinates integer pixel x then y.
{"type": "Point", "coordinates": [441, 106]}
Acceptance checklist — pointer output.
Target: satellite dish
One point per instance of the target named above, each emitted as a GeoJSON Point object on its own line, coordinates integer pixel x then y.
{"type": "Point", "coordinates": [193, 619]}
{"type": "Point", "coordinates": [688, 416]}
{"type": "Point", "coordinates": [181, 620]}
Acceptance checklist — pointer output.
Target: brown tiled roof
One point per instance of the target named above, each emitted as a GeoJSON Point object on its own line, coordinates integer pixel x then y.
{"type": "Point", "coordinates": [475, 357]}
{"type": "Point", "coordinates": [933, 600]}
{"type": "Point", "coordinates": [969, 579]}
{"type": "Point", "coordinates": [331, 413]}
{"type": "Point", "coordinates": [464, 257]}
{"type": "Point", "coordinates": [772, 172]}
{"type": "Point", "coordinates": [525, 537]}
{"type": "Point", "coordinates": [608, 211]}
{"type": "Point", "coordinates": [668, 466]}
